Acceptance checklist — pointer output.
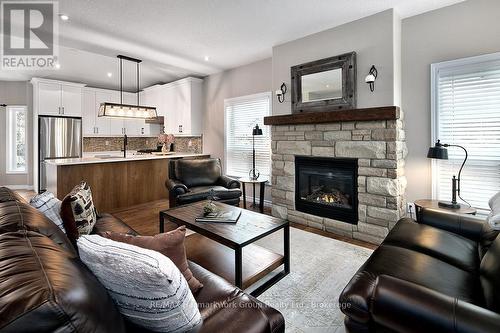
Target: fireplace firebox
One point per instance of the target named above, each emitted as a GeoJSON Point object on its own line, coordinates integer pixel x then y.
{"type": "Point", "coordinates": [327, 187]}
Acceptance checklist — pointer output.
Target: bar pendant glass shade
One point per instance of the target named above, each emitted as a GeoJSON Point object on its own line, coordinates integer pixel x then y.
{"type": "Point", "coordinates": [127, 111]}
{"type": "Point", "coordinates": [438, 152]}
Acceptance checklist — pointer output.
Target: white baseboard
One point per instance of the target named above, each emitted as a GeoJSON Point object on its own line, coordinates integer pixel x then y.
{"type": "Point", "coordinates": [19, 187]}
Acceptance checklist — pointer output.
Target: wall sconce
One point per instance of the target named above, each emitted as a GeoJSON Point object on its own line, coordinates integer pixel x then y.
{"type": "Point", "coordinates": [371, 77]}
{"type": "Point", "coordinates": [280, 93]}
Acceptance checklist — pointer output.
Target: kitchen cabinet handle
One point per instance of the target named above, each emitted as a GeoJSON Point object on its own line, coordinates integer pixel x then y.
{"type": "Point", "coordinates": [97, 129]}
{"type": "Point", "coordinates": [142, 130]}
{"type": "Point", "coordinates": [62, 109]}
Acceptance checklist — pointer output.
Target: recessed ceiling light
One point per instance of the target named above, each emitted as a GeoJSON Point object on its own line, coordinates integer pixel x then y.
{"type": "Point", "coordinates": [207, 58]}
{"type": "Point", "coordinates": [57, 65]}
{"type": "Point", "coordinates": [64, 17]}
{"type": "Point", "coordinates": [110, 74]}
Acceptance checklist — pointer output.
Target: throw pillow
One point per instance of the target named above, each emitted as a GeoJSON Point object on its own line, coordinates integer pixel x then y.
{"type": "Point", "coordinates": [77, 212]}
{"type": "Point", "coordinates": [170, 244]}
{"type": "Point", "coordinates": [494, 216]}
{"type": "Point", "coordinates": [50, 206]}
{"type": "Point", "coordinates": [147, 287]}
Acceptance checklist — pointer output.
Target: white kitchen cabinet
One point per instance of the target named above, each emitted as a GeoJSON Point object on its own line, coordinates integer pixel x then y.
{"type": "Point", "coordinates": [181, 101]}
{"type": "Point", "coordinates": [71, 100]}
{"type": "Point", "coordinates": [49, 98]}
{"type": "Point", "coordinates": [88, 112]}
{"type": "Point", "coordinates": [57, 98]}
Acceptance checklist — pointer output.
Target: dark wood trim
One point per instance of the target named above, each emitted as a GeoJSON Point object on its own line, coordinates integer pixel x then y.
{"type": "Point", "coordinates": [377, 113]}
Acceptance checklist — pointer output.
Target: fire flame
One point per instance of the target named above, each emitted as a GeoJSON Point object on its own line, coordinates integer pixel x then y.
{"type": "Point", "coordinates": [327, 198]}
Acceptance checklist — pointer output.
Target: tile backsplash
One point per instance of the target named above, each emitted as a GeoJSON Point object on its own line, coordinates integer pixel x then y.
{"type": "Point", "coordinates": [183, 144]}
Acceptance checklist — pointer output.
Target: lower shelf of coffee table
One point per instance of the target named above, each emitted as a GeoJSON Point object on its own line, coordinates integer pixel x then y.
{"type": "Point", "coordinates": [219, 259]}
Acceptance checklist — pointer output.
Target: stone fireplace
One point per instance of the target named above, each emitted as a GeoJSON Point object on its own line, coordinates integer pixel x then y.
{"type": "Point", "coordinates": [327, 187]}
{"type": "Point", "coordinates": [370, 140]}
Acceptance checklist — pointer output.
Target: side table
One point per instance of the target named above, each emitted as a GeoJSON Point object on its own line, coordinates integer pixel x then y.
{"type": "Point", "coordinates": [429, 203]}
{"type": "Point", "coordinates": [262, 184]}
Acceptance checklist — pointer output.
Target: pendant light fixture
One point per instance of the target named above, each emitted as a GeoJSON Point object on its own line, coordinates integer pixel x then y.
{"type": "Point", "coordinates": [120, 110]}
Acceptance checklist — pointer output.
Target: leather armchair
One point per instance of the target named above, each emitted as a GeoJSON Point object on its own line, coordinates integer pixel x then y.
{"type": "Point", "coordinates": [439, 275]}
{"type": "Point", "coordinates": [192, 180]}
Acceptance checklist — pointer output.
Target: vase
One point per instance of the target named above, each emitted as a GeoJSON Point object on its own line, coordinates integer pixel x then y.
{"type": "Point", "coordinates": [165, 148]}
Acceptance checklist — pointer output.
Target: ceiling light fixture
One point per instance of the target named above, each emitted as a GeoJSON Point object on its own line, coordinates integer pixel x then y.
{"type": "Point", "coordinates": [127, 111]}
{"type": "Point", "coordinates": [110, 74]}
{"type": "Point", "coordinates": [207, 58]}
{"type": "Point", "coordinates": [57, 65]}
{"type": "Point", "coordinates": [64, 17]}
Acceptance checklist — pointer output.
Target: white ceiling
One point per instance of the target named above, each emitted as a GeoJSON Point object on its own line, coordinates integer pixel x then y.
{"type": "Point", "coordinates": [174, 36]}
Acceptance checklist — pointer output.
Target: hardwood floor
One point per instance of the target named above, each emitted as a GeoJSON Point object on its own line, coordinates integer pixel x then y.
{"type": "Point", "coordinates": [144, 219]}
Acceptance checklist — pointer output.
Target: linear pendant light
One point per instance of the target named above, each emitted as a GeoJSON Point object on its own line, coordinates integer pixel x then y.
{"type": "Point", "coordinates": [120, 110]}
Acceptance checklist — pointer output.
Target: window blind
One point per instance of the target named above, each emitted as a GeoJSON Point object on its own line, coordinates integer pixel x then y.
{"type": "Point", "coordinates": [468, 114]}
{"type": "Point", "coordinates": [241, 116]}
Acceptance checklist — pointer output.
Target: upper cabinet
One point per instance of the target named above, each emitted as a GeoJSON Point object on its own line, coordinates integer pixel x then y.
{"type": "Point", "coordinates": [180, 103]}
{"type": "Point", "coordinates": [57, 98]}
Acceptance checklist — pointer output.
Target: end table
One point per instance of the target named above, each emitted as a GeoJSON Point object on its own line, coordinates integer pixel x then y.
{"type": "Point", "coordinates": [262, 184]}
{"type": "Point", "coordinates": [429, 203]}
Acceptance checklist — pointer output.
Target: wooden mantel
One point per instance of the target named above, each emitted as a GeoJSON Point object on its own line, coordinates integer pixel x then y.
{"type": "Point", "coordinates": [377, 113]}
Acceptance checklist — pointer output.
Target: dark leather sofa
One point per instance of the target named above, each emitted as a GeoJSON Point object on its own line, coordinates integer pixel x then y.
{"type": "Point", "coordinates": [439, 275]}
{"type": "Point", "coordinates": [192, 180]}
{"type": "Point", "coordinates": [44, 287]}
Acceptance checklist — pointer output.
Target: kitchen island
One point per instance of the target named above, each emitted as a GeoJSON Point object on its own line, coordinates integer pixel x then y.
{"type": "Point", "coordinates": [116, 182]}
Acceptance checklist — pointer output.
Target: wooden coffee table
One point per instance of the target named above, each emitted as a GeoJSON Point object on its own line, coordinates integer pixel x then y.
{"type": "Point", "coordinates": [228, 249]}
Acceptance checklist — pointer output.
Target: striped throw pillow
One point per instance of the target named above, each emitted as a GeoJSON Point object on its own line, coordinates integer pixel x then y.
{"type": "Point", "coordinates": [50, 206]}
{"type": "Point", "coordinates": [147, 287]}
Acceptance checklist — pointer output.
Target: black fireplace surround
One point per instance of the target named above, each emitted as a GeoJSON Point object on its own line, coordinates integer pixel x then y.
{"type": "Point", "coordinates": [327, 187]}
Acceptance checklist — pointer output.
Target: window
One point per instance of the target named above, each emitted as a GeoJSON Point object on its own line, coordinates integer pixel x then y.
{"type": "Point", "coordinates": [466, 112]}
{"type": "Point", "coordinates": [241, 116]}
{"type": "Point", "coordinates": [16, 139]}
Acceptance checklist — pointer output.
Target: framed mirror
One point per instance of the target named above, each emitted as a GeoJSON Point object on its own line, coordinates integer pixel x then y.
{"type": "Point", "coordinates": [325, 85]}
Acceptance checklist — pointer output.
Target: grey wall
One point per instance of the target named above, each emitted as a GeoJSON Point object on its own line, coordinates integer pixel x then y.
{"type": "Point", "coordinates": [467, 29]}
{"type": "Point", "coordinates": [374, 38]}
{"type": "Point", "coordinates": [246, 80]}
{"type": "Point", "coordinates": [15, 93]}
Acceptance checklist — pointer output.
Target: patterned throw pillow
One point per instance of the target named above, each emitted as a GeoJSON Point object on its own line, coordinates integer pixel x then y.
{"type": "Point", "coordinates": [50, 206]}
{"type": "Point", "coordinates": [147, 287]}
{"type": "Point", "coordinates": [170, 244]}
{"type": "Point", "coordinates": [78, 212]}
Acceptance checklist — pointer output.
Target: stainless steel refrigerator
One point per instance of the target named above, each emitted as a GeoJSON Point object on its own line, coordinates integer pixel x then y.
{"type": "Point", "coordinates": [58, 137]}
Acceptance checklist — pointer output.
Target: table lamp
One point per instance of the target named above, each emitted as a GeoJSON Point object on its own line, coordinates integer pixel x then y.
{"type": "Point", "coordinates": [440, 152]}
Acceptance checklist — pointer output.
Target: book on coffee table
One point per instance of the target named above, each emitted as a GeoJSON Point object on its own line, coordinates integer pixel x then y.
{"type": "Point", "coordinates": [222, 216]}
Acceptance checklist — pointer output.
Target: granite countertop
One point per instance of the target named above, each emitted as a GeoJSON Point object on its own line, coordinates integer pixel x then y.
{"type": "Point", "coordinates": [110, 157]}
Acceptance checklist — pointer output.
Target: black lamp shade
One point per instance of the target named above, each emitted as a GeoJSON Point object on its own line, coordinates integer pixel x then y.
{"type": "Point", "coordinates": [257, 130]}
{"type": "Point", "coordinates": [438, 152]}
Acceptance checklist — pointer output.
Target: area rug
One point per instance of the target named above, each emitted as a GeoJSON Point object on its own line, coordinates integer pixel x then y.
{"type": "Point", "coordinates": [320, 269]}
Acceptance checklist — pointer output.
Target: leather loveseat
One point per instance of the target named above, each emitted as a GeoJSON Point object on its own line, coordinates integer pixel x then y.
{"type": "Point", "coordinates": [192, 180]}
{"type": "Point", "coordinates": [44, 287]}
{"type": "Point", "coordinates": [439, 275]}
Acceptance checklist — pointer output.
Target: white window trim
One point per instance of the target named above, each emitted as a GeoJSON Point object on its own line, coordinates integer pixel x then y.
{"type": "Point", "coordinates": [435, 68]}
{"type": "Point", "coordinates": [8, 141]}
{"type": "Point", "coordinates": [240, 99]}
